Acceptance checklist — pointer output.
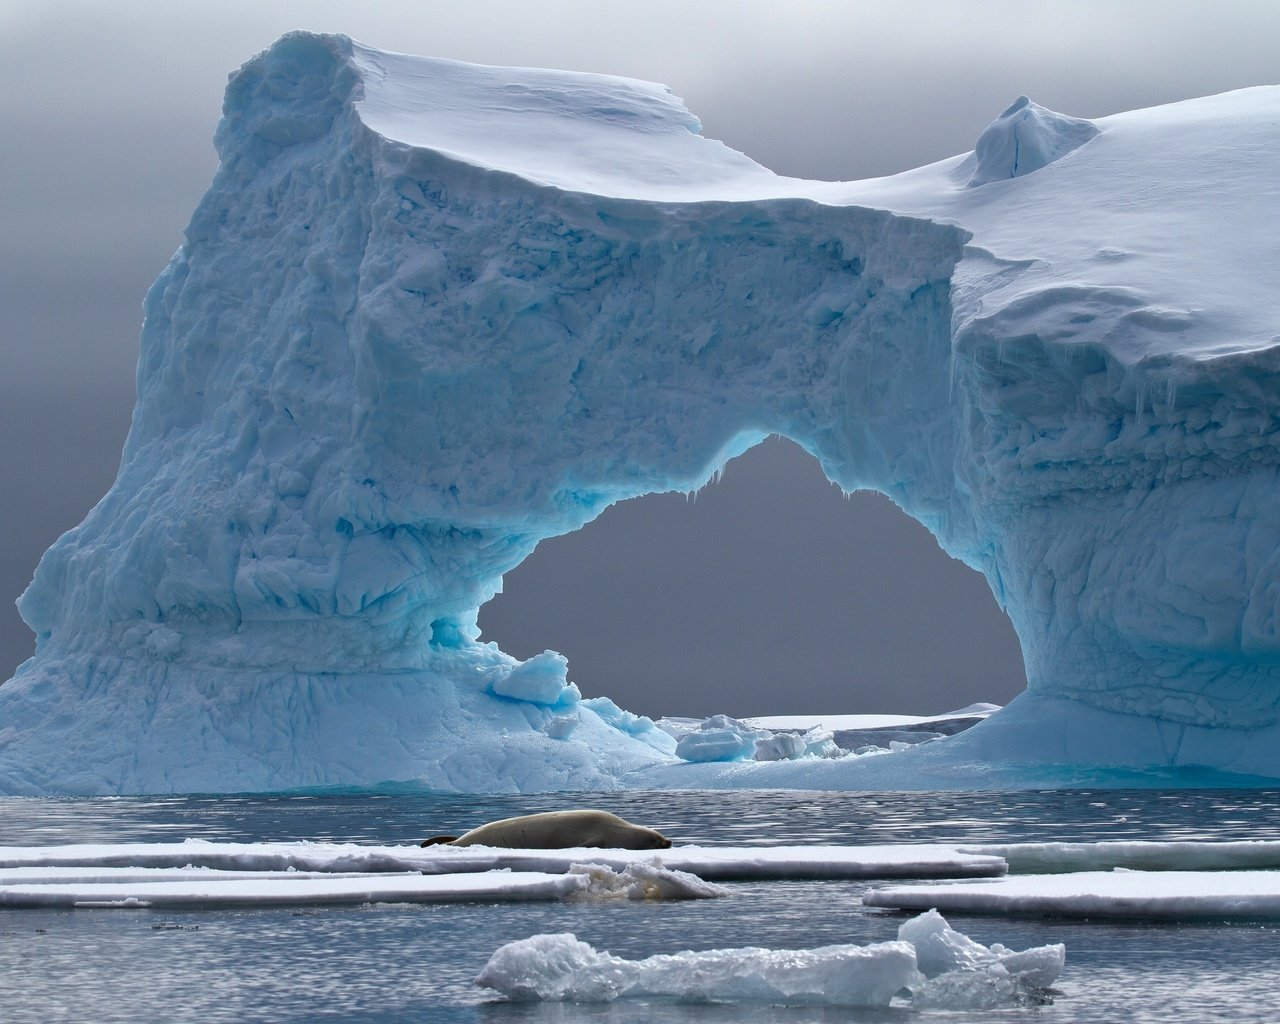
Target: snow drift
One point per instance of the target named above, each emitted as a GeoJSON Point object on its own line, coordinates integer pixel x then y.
{"type": "Point", "coordinates": [429, 314]}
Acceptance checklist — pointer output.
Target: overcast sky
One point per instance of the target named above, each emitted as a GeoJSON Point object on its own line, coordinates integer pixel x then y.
{"type": "Point", "coordinates": [771, 590]}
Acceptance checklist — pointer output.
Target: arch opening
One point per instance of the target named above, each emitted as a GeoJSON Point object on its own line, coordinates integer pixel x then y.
{"type": "Point", "coordinates": [768, 591]}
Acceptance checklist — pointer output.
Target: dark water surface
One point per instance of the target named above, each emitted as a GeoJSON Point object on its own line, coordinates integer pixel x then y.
{"type": "Point", "coordinates": [417, 963]}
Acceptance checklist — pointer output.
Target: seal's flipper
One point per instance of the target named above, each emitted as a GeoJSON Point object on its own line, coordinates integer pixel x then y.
{"type": "Point", "coordinates": [437, 840]}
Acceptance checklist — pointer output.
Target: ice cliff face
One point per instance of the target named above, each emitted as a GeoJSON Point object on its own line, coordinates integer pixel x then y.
{"type": "Point", "coordinates": [429, 314]}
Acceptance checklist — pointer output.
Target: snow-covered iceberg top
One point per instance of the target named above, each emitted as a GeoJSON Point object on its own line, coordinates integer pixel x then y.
{"type": "Point", "coordinates": [429, 314]}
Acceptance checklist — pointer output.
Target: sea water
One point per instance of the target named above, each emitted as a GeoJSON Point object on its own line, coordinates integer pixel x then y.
{"type": "Point", "coordinates": [418, 962]}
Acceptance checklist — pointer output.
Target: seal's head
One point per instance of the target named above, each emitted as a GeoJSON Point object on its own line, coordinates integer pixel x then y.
{"type": "Point", "coordinates": [441, 840]}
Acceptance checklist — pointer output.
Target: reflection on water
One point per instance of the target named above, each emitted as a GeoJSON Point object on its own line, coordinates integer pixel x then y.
{"type": "Point", "coordinates": [416, 963]}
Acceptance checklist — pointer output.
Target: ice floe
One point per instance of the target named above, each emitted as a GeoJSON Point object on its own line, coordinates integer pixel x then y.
{"type": "Point", "coordinates": [714, 863]}
{"type": "Point", "coordinates": [1119, 894]}
{"type": "Point", "coordinates": [204, 873]}
{"type": "Point", "coordinates": [190, 886]}
{"type": "Point", "coordinates": [933, 965]}
{"type": "Point", "coordinates": [562, 968]}
{"type": "Point", "coordinates": [288, 889]}
{"type": "Point", "coordinates": [1139, 855]}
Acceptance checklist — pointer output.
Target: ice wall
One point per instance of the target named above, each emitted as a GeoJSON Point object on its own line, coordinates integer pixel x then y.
{"type": "Point", "coordinates": [429, 314]}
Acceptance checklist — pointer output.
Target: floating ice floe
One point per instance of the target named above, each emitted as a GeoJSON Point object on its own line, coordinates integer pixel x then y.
{"type": "Point", "coordinates": [714, 863]}
{"type": "Point", "coordinates": [290, 889]}
{"type": "Point", "coordinates": [135, 887]}
{"type": "Point", "coordinates": [747, 863]}
{"type": "Point", "coordinates": [1140, 855]}
{"type": "Point", "coordinates": [931, 963]}
{"type": "Point", "coordinates": [1119, 894]}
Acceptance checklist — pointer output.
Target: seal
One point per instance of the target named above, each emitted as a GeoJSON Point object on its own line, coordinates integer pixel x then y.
{"type": "Point", "coordinates": [559, 830]}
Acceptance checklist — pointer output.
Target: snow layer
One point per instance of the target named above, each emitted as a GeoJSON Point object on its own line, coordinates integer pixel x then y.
{"type": "Point", "coordinates": [942, 969]}
{"type": "Point", "coordinates": [429, 314]}
{"type": "Point", "coordinates": [1119, 894]}
{"type": "Point", "coordinates": [719, 863]}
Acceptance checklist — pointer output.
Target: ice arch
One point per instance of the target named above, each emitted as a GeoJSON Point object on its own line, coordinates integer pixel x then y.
{"type": "Point", "coordinates": [766, 591]}
{"type": "Point", "coordinates": [430, 313]}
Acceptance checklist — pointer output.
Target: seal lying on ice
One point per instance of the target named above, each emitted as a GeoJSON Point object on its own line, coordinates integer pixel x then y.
{"type": "Point", "coordinates": [557, 830]}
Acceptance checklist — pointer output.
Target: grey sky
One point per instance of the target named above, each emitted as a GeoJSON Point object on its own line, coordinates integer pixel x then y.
{"type": "Point", "coordinates": [771, 589]}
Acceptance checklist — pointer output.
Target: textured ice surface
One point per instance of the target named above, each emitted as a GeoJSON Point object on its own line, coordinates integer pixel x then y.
{"type": "Point", "coordinates": [722, 863]}
{"type": "Point", "coordinates": [940, 949]}
{"type": "Point", "coordinates": [1119, 894]}
{"type": "Point", "coordinates": [961, 974]}
{"type": "Point", "coordinates": [429, 314]}
{"type": "Point", "coordinates": [941, 968]}
{"type": "Point", "coordinates": [561, 968]}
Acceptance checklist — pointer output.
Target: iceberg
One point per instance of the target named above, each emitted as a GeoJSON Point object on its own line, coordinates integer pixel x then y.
{"type": "Point", "coordinates": [430, 313]}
